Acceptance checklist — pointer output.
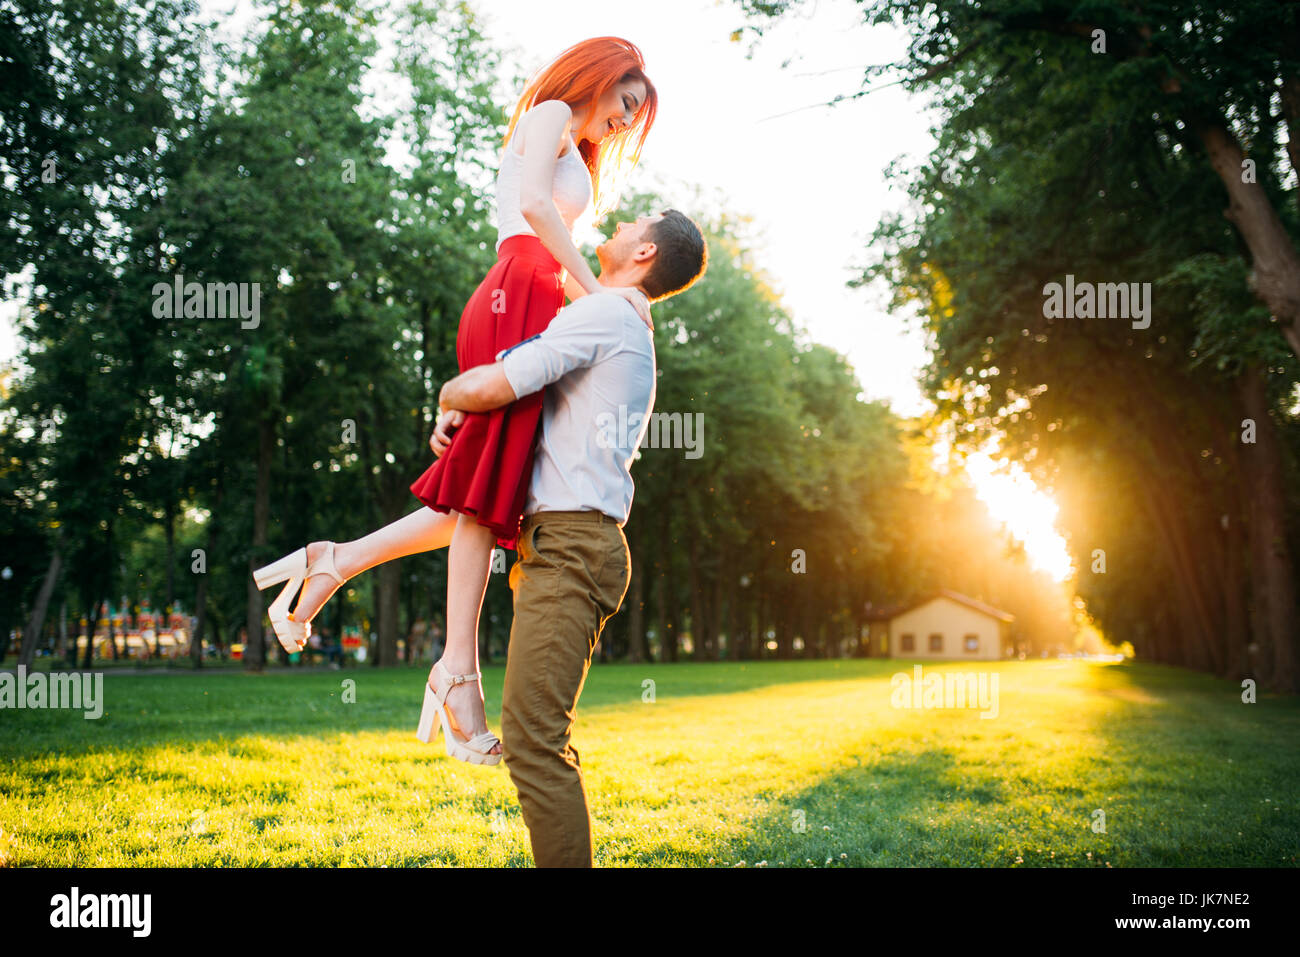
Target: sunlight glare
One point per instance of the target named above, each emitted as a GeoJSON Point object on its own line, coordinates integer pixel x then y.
{"type": "Point", "coordinates": [1030, 514]}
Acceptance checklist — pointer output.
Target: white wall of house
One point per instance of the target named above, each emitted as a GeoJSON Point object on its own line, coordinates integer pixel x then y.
{"type": "Point", "coordinates": [954, 623]}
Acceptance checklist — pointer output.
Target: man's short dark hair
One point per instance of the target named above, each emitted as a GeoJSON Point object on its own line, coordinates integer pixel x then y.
{"type": "Point", "coordinates": [681, 255]}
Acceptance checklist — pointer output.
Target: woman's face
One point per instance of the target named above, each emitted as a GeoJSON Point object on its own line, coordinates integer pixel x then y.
{"type": "Point", "coordinates": [614, 111]}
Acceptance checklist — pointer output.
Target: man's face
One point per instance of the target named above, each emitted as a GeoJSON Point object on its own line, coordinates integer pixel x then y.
{"type": "Point", "coordinates": [616, 252]}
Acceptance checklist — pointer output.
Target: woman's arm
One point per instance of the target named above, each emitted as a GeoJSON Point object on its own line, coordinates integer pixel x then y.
{"type": "Point", "coordinates": [547, 128]}
{"type": "Point", "coordinates": [572, 288]}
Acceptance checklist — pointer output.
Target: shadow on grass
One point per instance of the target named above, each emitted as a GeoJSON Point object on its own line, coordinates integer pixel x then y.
{"type": "Point", "coordinates": [1151, 767]}
{"type": "Point", "coordinates": [874, 814]}
{"type": "Point", "coordinates": [1210, 778]}
{"type": "Point", "coordinates": [146, 710]}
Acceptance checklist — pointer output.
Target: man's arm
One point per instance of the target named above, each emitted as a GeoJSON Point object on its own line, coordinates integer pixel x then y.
{"type": "Point", "coordinates": [575, 339]}
{"type": "Point", "coordinates": [481, 389]}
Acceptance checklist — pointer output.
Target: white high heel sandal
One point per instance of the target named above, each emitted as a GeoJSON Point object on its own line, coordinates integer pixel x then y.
{"type": "Point", "coordinates": [293, 570]}
{"type": "Point", "coordinates": [476, 749]}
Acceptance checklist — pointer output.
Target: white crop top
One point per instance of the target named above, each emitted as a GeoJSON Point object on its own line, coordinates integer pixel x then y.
{"type": "Point", "coordinates": [571, 190]}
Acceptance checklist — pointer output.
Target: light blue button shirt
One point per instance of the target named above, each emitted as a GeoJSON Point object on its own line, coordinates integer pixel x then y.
{"type": "Point", "coordinates": [598, 358]}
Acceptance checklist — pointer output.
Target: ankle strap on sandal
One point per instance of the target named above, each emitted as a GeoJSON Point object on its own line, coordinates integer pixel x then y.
{"type": "Point", "coordinates": [326, 565]}
{"type": "Point", "coordinates": [457, 679]}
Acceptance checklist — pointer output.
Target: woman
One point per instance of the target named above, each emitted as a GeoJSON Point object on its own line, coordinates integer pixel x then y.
{"type": "Point", "coordinates": [576, 132]}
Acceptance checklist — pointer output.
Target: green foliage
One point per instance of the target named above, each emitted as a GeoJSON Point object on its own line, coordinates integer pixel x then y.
{"type": "Point", "coordinates": [365, 221]}
{"type": "Point", "coordinates": [1057, 155]}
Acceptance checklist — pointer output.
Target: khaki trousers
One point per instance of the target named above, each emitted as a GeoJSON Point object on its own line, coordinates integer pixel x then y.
{"type": "Point", "coordinates": [571, 575]}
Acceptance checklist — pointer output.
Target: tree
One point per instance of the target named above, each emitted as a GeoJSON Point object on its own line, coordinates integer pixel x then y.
{"type": "Point", "coordinates": [1056, 160]}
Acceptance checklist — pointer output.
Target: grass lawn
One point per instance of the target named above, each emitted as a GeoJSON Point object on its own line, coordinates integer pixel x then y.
{"type": "Point", "coordinates": [790, 764]}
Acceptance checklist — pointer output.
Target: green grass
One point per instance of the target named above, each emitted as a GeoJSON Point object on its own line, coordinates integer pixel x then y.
{"type": "Point", "coordinates": [220, 769]}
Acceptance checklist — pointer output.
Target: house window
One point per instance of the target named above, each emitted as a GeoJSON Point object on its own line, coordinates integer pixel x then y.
{"type": "Point", "coordinates": [972, 642]}
{"type": "Point", "coordinates": [936, 642]}
{"type": "Point", "coordinates": [908, 643]}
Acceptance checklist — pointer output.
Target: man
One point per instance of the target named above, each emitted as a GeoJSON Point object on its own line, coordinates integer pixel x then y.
{"type": "Point", "coordinates": [597, 357]}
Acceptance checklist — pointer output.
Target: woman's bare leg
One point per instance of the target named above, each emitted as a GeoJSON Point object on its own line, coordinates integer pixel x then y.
{"type": "Point", "coordinates": [421, 531]}
{"type": "Point", "coordinates": [468, 566]}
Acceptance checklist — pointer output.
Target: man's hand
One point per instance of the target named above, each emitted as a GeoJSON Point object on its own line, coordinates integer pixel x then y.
{"type": "Point", "coordinates": [448, 422]}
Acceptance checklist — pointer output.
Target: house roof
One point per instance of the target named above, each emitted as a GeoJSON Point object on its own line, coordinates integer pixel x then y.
{"type": "Point", "coordinates": [884, 612]}
{"type": "Point", "coordinates": [893, 611]}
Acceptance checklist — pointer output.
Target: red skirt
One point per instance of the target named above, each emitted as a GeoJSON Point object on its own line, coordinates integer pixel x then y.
{"type": "Point", "coordinates": [486, 470]}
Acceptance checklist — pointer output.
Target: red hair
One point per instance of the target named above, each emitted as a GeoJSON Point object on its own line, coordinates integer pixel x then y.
{"type": "Point", "coordinates": [583, 74]}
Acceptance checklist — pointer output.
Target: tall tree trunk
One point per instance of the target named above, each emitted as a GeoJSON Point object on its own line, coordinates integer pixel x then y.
{"type": "Point", "coordinates": [780, 612]}
{"type": "Point", "coordinates": [370, 638]}
{"type": "Point", "coordinates": [669, 597]}
{"type": "Point", "coordinates": [1271, 572]}
{"type": "Point", "coordinates": [761, 624]}
{"type": "Point", "coordinates": [200, 622]}
{"type": "Point", "coordinates": [255, 642]}
{"type": "Point", "coordinates": [1188, 541]}
{"type": "Point", "coordinates": [36, 623]}
{"type": "Point", "coordinates": [1153, 636]}
{"type": "Point", "coordinates": [637, 648]}
{"type": "Point", "coordinates": [1199, 629]}
{"type": "Point", "coordinates": [1237, 620]}
{"type": "Point", "coordinates": [61, 646]}
{"type": "Point", "coordinates": [1235, 531]}
{"type": "Point", "coordinates": [675, 617]}
{"type": "Point", "coordinates": [96, 609]}
{"type": "Point", "coordinates": [112, 633]}
{"type": "Point", "coordinates": [201, 598]}
{"type": "Point", "coordinates": [8, 615]}
{"type": "Point", "coordinates": [735, 605]}
{"type": "Point", "coordinates": [216, 625]}
{"type": "Point", "coordinates": [169, 602]}
{"type": "Point", "coordinates": [388, 602]}
{"type": "Point", "coordinates": [1275, 276]}
{"type": "Point", "coordinates": [699, 639]}
{"type": "Point", "coordinates": [92, 617]}
{"type": "Point", "coordinates": [661, 607]}
{"type": "Point", "coordinates": [716, 600]}
{"type": "Point", "coordinates": [408, 618]}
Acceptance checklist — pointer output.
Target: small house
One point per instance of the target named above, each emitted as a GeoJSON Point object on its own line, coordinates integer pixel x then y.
{"type": "Point", "coordinates": [946, 625]}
